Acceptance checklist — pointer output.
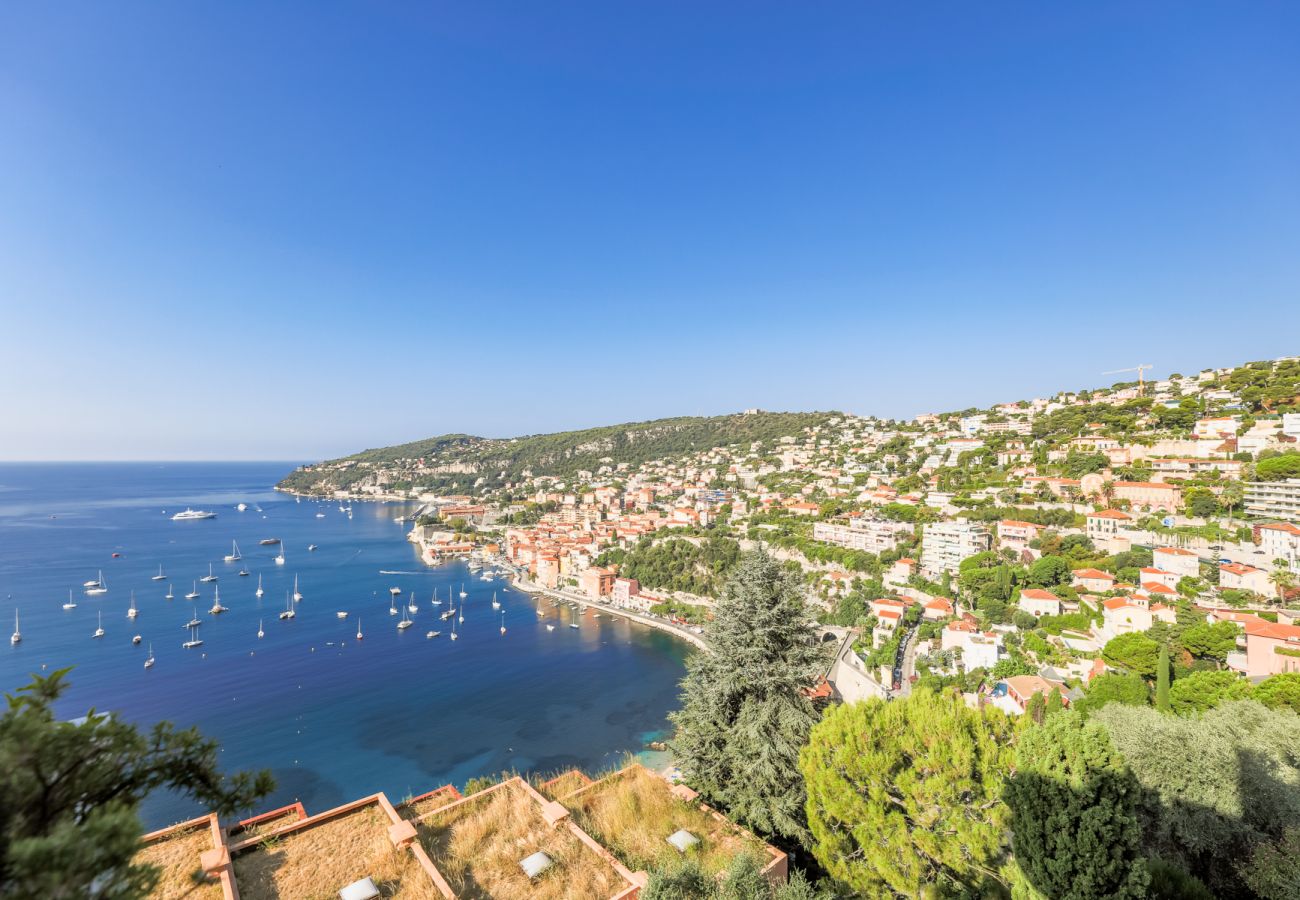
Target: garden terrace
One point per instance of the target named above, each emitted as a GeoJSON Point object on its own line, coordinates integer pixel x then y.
{"type": "Point", "coordinates": [183, 855]}
{"type": "Point", "coordinates": [427, 803]}
{"type": "Point", "coordinates": [633, 811]}
{"type": "Point", "coordinates": [477, 844]}
{"type": "Point", "coordinates": [267, 821]}
{"type": "Point", "coordinates": [315, 857]}
{"type": "Point", "coordinates": [564, 783]}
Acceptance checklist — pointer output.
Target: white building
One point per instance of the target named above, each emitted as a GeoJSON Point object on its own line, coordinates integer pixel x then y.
{"type": "Point", "coordinates": [1274, 499]}
{"type": "Point", "coordinates": [945, 544]}
{"type": "Point", "coordinates": [868, 536]}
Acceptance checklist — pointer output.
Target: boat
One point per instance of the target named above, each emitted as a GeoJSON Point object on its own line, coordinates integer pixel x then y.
{"type": "Point", "coordinates": [189, 514]}
{"type": "Point", "coordinates": [95, 582]}
{"type": "Point", "coordinates": [342, 614]}
{"type": "Point", "coordinates": [288, 608]}
{"type": "Point", "coordinates": [99, 632]}
{"type": "Point", "coordinates": [297, 595]}
{"type": "Point", "coordinates": [320, 515]}
{"type": "Point", "coordinates": [98, 587]}
{"type": "Point", "coordinates": [131, 611]}
{"type": "Point", "coordinates": [453, 630]}
{"type": "Point", "coordinates": [451, 611]}
{"type": "Point", "coordinates": [412, 605]}
{"type": "Point", "coordinates": [260, 632]}
{"type": "Point", "coordinates": [279, 560]}
{"type": "Point", "coordinates": [210, 577]}
{"type": "Point", "coordinates": [392, 604]}
{"type": "Point", "coordinates": [216, 603]}
{"type": "Point", "coordinates": [17, 636]}
{"type": "Point", "coordinates": [160, 576]}
{"type": "Point", "coordinates": [243, 572]}
{"type": "Point", "coordinates": [241, 506]}
{"type": "Point", "coordinates": [259, 592]}
{"type": "Point", "coordinates": [405, 623]}
{"type": "Point", "coordinates": [463, 595]}
{"type": "Point", "coordinates": [194, 594]}
{"type": "Point", "coordinates": [394, 591]}
{"type": "Point", "coordinates": [503, 621]}
{"type": "Point", "coordinates": [117, 555]}
{"type": "Point", "coordinates": [169, 595]}
{"type": "Point", "coordinates": [462, 614]}
{"type": "Point", "coordinates": [359, 636]}
{"type": "Point", "coordinates": [432, 634]}
{"type": "Point", "coordinates": [311, 547]}
{"type": "Point", "coordinates": [194, 640]}
{"type": "Point", "coordinates": [148, 663]}
{"type": "Point", "coordinates": [269, 542]}
{"type": "Point", "coordinates": [194, 622]}
{"type": "Point", "coordinates": [136, 639]}
{"type": "Point", "coordinates": [574, 624]}
{"type": "Point", "coordinates": [496, 604]}
{"type": "Point", "coordinates": [435, 601]}
{"type": "Point", "coordinates": [233, 555]}
{"type": "Point", "coordinates": [70, 604]}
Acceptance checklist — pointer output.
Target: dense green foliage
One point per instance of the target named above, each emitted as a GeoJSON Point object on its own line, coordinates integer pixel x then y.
{"type": "Point", "coordinates": [744, 713]}
{"type": "Point", "coordinates": [1073, 816]}
{"type": "Point", "coordinates": [1276, 468]}
{"type": "Point", "coordinates": [677, 564]}
{"type": "Point", "coordinates": [1134, 652]}
{"type": "Point", "coordinates": [1208, 641]}
{"type": "Point", "coordinates": [905, 797]}
{"type": "Point", "coordinates": [1198, 691]}
{"type": "Point", "coordinates": [500, 461]}
{"type": "Point", "coordinates": [69, 794]}
{"type": "Point", "coordinates": [1279, 692]}
{"type": "Point", "coordinates": [1114, 687]}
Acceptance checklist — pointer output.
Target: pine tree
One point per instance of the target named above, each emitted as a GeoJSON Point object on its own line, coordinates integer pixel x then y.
{"type": "Point", "coordinates": [905, 796]}
{"type": "Point", "coordinates": [1162, 679]}
{"type": "Point", "coordinates": [744, 714]}
{"type": "Point", "coordinates": [1073, 816]}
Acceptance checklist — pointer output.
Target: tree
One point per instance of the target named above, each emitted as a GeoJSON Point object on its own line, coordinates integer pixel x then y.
{"type": "Point", "coordinates": [1199, 691]}
{"type": "Point", "coordinates": [1073, 816]}
{"type": "Point", "coordinates": [1278, 468]}
{"type": "Point", "coordinates": [906, 795]}
{"type": "Point", "coordinates": [1279, 691]}
{"type": "Point", "coordinates": [744, 714]}
{"type": "Point", "coordinates": [1208, 641]}
{"type": "Point", "coordinates": [1049, 571]}
{"type": "Point", "coordinates": [1114, 687]}
{"type": "Point", "coordinates": [1133, 651]}
{"type": "Point", "coordinates": [1162, 679]}
{"type": "Point", "coordinates": [1273, 870]}
{"type": "Point", "coordinates": [1282, 578]}
{"type": "Point", "coordinates": [1213, 786]}
{"type": "Point", "coordinates": [70, 791]}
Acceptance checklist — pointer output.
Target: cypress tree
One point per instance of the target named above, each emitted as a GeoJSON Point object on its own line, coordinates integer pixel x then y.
{"type": "Point", "coordinates": [744, 714]}
{"type": "Point", "coordinates": [1162, 679]}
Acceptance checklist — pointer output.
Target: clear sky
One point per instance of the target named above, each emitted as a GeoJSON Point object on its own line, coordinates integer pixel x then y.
{"type": "Point", "coordinates": [280, 230]}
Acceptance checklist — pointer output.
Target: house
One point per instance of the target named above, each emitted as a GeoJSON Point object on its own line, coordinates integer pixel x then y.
{"type": "Point", "coordinates": [1012, 695]}
{"type": "Point", "coordinates": [1038, 602]}
{"type": "Point", "coordinates": [1271, 648]}
{"type": "Point", "coordinates": [1148, 495]}
{"type": "Point", "coordinates": [900, 573]}
{"type": "Point", "coordinates": [1183, 563]}
{"type": "Point", "coordinates": [1152, 575]}
{"type": "Point", "coordinates": [937, 609]}
{"type": "Point", "coordinates": [978, 649]}
{"type": "Point", "coordinates": [1092, 580]}
{"type": "Point", "coordinates": [1107, 523]}
{"type": "Point", "coordinates": [1281, 541]}
{"type": "Point", "coordinates": [1241, 577]}
{"type": "Point", "coordinates": [1122, 615]}
{"type": "Point", "coordinates": [1017, 535]}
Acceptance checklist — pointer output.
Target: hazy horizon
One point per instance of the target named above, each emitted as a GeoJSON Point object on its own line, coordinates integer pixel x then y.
{"type": "Point", "coordinates": [280, 232]}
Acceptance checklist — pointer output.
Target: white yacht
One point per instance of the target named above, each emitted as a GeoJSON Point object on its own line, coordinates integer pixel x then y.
{"type": "Point", "coordinates": [188, 514]}
{"type": "Point", "coordinates": [194, 622]}
{"type": "Point", "coordinates": [137, 639]}
{"type": "Point", "coordinates": [359, 635]}
{"type": "Point", "coordinates": [71, 604]}
{"type": "Point", "coordinates": [17, 636]}
{"type": "Point", "coordinates": [194, 640]}
{"type": "Point", "coordinates": [210, 576]}
{"type": "Point", "coordinates": [260, 632]}
{"type": "Point", "coordinates": [412, 605]}
{"type": "Point", "coordinates": [259, 592]}
{"type": "Point", "coordinates": [97, 587]}
{"type": "Point", "coordinates": [279, 560]}
{"type": "Point", "coordinates": [216, 603]}
{"type": "Point", "coordinates": [288, 608]}
{"type": "Point", "coordinates": [496, 604]}
{"type": "Point", "coordinates": [241, 506]}
{"type": "Point", "coordinates": [463, 595]}
{"type": "Point", "coordinates": [233, 555]}
{"type": "Point", "coordinates": [169, 595]}
{"type": "Point", "coordinates": [131, 611]}
{"type": "Point", "coordinates": [311, 547]}
{"type": "Point", "coordinates": [194, 594]}
{"type": "Point", "coordinates": [99, 632]}
{"type": "Point", "coordinates": [95, 582]}
{"type": "Point", "coordinates": [148, 663]}
{"type": "Point", "coordinates": [405, 623]}
{"type": "Point", "coordinates": [342, 614]}
{"type": "Point", "coordinates": [297, 595]}
{"type": "Point", "coordinates": [160, 576]}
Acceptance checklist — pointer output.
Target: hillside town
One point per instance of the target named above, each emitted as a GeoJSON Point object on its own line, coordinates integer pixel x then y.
{"type": "Point", "coordinates": [1021, 550]}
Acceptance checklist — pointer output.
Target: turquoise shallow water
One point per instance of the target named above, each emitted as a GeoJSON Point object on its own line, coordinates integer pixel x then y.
{"type": "Point", "coordinates": [333, 717]}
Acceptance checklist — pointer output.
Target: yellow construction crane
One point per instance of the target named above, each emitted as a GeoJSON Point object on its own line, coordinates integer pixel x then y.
{"type": "Point", "coordinates": [1138, 369]}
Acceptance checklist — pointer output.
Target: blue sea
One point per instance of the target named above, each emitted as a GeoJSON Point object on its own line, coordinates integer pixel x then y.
{"type": "Point", "coordinates": [334, 718]}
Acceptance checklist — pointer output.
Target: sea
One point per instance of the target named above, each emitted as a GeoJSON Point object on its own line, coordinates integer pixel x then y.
{"type": "Point", "coordinates": [333, 717]}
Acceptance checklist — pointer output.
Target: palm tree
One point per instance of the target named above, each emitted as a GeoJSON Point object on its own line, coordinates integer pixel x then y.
{"type": "Point", "coordinates": [1282, 578]}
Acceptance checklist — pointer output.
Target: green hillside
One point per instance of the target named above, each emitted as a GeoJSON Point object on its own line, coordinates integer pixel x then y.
{"type": "Point", "coordinates": [464, 459]}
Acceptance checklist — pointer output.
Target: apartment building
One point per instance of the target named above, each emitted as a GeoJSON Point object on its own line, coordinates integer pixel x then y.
{"type": "Point", "coordinates": [868, 536]}
{"type": "Point", "coordinates": [1274, 499]}
{"type": "Point", "coordinates": [945, 544]}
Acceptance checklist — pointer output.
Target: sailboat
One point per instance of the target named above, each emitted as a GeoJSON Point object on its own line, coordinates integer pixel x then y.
{"type": "Point", "coordinates": [496, 604]}
{"type": "Point", "coordinates": [208, 577]}
{"type": "Point", "coordinates": [95, 582]}
{"type": "Point", "coordinates": [17, 636]}
{"type": "Point", "coordinates": [131, 611]}
{"type": "Point", "coordinates": [233, 555]}
{"type": "Point", "coordinates": [97, 587]}
{"type": "Point", "coordinates": [194, 622]}
{"type": "Point", "coordinates": [288, 608]}
{"type": "Point", "coordinates": [450, 611]}
{"type": "Point", "coordinates": [462, 614]}
{"type": "Point", "coordinates": [216, 603]}
{"type": "Point", "coordinates": [148, 663]}
{"type": "Point", "coordinates": [99, 632]}
{"type": "Point", "coordinates": [453, 630]}
{"type": "Point", "coordinates": [194, 594]}
{"type": "Point", "coordinates": [160, 576]}
{"type": "Point", "coordinates": [279, 560]}
{"type": "Point", "coordinates": [297, 595]}
{"type": "Point", "coordinates": [405, 623]}
{"type": "Point", "coordinates": [503, 621]}
{"type": "Point", "coordinates": [71, 604]}
{"type": "Point", "coordinates": [260, 633]}
{"type": "Point", "coordinates": [463, 595]}
{"type": "Point", "coordinates": [169, 595]}
{"type": "Point", "coordinates": [412, 605]}
{"type": "Point", "coordinates": [574, 623]}
{"type": "Point", "coordinates": [540, 614]}
{"type": "Point", "coordinates": [358, 628]}
{"type": "Point", "coordinates": [194, 640]}
{"type": "Point", "coordinates": [259, 592]}
{"type": "Point", "coordinates": [136, 639]}
{"type": "Point", "coordinates": [243, 572]}
{"type": "Point", "coordinates": [436, 601]}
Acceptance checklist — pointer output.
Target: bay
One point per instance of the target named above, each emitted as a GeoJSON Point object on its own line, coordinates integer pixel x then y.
{"type": "Point", "coordinates": [334, 718]}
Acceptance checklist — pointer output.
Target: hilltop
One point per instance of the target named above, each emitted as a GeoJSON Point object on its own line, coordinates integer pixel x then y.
{"type": "Point", "coordinates": [465, 464]}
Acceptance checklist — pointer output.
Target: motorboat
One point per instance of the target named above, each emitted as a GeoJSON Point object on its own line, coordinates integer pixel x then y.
{"type": "Point", "coordinates": [188, 514]}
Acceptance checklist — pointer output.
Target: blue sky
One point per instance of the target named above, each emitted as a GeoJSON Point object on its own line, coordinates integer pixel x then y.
{"type": "Point", "coordinates": [246, 230]}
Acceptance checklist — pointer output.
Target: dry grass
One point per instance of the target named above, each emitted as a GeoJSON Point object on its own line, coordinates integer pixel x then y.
{"type": "Point", "coordinates": [270, 823]}
{"type": "Point", "coordinates": [177, 856]}
{"type": "Point", "coordinates": [313, 864]}
{"type": "Point", "coordinates": [477, 847]}
{"type": "Point", "coordinates": [565, 783]}
{"type": "Point", "coordinates": [425, 805]}
{"type": "Point", "coordinates": [634, 813]}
